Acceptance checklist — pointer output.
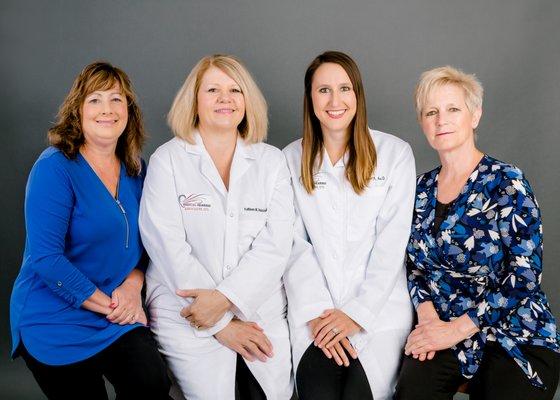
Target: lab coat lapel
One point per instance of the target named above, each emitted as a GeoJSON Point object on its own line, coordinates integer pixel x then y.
{"type": "Point", "coordinates": [206, 165]}
{"type": "Point", "coordinates": [242, 160]}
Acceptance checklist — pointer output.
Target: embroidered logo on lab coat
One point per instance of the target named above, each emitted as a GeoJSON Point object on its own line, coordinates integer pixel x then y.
{"type": "Point", "coordinates": [195, 202]}
{"type": "Point", "coordinates": [319, 180]}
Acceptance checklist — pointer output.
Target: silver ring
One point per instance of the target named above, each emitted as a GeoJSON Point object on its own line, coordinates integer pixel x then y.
{"type": "Point", "coordinates": [335, 331]}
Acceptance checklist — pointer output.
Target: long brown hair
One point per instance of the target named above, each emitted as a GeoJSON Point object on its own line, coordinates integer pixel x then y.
{"type": "Point", "coordinates": [67, 134]}
{"type": "Point", "coordinates": [362, 156]}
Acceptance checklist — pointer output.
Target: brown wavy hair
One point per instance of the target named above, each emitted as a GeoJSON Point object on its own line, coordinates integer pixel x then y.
{"type": "Point", "coordinates": [362, 156]}
{"type": "Point", "coordinates": [67, 134]}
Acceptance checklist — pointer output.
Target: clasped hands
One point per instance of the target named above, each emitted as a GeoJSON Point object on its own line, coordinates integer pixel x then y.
{"type": "Point", "coordinates": [330, 332]}
{"type": "Point", "coordinates": [432, 334]}
{"type": "Point", "coordinates": [124, 307]}
{"type": "Point", "coordinates": [244, 337]}
{"type": "Point", "coordinates": [207, 308]}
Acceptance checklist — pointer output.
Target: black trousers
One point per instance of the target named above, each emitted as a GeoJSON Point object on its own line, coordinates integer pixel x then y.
{"type": "Point", "coordinates": [319, 378]}
{"type": "Point", "coordinates": [248, 387]}
{"type": "Point", "coordinates": [132, 364]}
{"type": "Point", "coordinates": [498, 377]}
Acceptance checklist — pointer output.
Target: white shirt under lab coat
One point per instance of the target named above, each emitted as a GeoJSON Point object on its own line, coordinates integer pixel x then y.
{"type": "Point", "coordinates": [200, 235]}
{"type": "Point", "coordinates": [349, 253]}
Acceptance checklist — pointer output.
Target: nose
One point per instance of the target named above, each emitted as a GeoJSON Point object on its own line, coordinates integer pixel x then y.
{"type": "Point", "coordinates": [106, 107]}
{"type": "Point", "coordinates": [224, 97]}
{"type": "Point", "coordinates": [335, 98]}
{"type": "Point", "coordinates": [441, 118]}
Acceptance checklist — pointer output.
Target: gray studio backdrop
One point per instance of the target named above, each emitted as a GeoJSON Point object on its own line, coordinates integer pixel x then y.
{"type": "Point", "coordinates": [512, 46]}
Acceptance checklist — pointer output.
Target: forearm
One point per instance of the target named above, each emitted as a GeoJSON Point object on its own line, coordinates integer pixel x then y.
{"type": "Point", "coordinates": [135, 279]}
{"type": "Point", "coordinates": [426, 311]}
{"type": "Point", "coordinates": [98, 302]}
{"type": "Point", "coordinates": [465, 327]}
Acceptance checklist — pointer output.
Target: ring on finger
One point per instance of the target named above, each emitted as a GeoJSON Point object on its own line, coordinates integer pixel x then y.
{"type": "Point", "coordinates": [335, 331]}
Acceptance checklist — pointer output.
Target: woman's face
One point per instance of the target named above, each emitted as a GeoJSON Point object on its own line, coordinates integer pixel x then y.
{"type": "Point", "coordinates": [333, 97]}
{"type": "Point", "coordinates": [446, 121]}
{"type": "Point", "coordinates": [221, 104]}
{"type": "Point", "coordinates": [104, 116]}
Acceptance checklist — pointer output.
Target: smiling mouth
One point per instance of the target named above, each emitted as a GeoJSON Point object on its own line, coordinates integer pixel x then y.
{"type": "Point", "coordinates": [107, 122]}
{"type": "Point", "coordinates": [225, 111]}
{"type": "Point", "coordinates": [336, 113]}
{"type": "Point", "coordinates": [443, 133]}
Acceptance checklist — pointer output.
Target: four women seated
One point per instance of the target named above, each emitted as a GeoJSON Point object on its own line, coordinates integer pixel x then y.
{"type": "Point", "coordinates": [265, 267]}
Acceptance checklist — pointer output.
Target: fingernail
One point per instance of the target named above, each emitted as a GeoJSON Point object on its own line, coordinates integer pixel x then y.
{"type": "Point", "coordinates": [113, 305]}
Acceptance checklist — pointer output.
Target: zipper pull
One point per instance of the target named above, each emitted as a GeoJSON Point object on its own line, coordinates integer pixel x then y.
{"type": "Point", "coordinates": [120, 206]}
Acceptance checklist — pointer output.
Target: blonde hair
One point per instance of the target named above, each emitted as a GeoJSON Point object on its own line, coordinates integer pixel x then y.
{"type": "Point", "coordinates": [67, 134]}
{"type": "Point", "coordinates": [447, 75]}
{"type": "Point", "coordinates": [362, 156]}
{"type": "Point", "coordinates": [183, 117]}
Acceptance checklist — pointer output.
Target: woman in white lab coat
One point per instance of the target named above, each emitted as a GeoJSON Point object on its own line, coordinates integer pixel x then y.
{"type": "Point", "coordinates": [349, 309]}
{"type": "Point", "coordinates": [216, 219]}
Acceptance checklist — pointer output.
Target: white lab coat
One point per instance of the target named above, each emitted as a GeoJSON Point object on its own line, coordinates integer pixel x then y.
{"type": "Point", "coordinates": [356, 260]}
{"type": "Point", "coordinates": [200, 235]}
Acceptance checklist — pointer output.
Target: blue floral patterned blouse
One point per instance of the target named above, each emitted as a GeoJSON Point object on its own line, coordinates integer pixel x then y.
{"type": "Point", "coordinates": [485, 260]}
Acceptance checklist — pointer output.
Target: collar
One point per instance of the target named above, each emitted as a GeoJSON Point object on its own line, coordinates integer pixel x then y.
{"type": "Point", "coordinates": [242, 148]}
{"type": "Point", "coordinates": [327, 166]}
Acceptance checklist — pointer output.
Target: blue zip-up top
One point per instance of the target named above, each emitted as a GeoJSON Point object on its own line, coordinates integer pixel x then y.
{"type": "Point", "coordinates": [79, 237]}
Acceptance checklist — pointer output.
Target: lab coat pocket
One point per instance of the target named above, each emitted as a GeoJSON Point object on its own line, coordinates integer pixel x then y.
{"type": "Point", "coordinates": [363, 212]}
{"type": "Point", "coordinates": [249, 228]}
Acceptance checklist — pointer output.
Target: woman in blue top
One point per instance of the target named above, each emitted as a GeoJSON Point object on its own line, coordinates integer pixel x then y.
{"type": "Point", "coordinates": [76, 308]}
{"type": "Point", "coordinates": [474, 263]}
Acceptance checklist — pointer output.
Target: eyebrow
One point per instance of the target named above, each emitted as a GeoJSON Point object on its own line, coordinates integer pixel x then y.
{"type": "Point", "coordinates": [98, 92]}
{"type": "Point", "coordinates": [340, 84]}
{"type": "Point", "coordinates": [219, 84]}
{"type": "Point", "coordinates": [446, 105]}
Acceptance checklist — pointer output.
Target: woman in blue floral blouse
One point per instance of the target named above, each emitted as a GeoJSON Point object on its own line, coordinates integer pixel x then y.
{"type": "Point", "coordinates": [474, 263]}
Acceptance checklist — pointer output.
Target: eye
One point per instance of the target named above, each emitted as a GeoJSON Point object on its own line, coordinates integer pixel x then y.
{"type": "Point", "coordinates": [212, 90]}
{"type": "Point", "coordinates": [236, 90]}
{"type": "Point", "coordinates": [345, 89]}
{"type": "Point", "coordinates": [454, 109]}
{"type": "Point", "coordinates": [93, 101]}
{"type": "Point", "coordinates": [117, 99]}
{"type": "Point", "coordinates": [430, 113]}
{"type": "Point", "coordinates": [324, 90]}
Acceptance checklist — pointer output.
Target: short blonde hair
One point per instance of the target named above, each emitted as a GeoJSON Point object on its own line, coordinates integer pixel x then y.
{"type": "Point", "coordinates": [183, 116]}
{"type": "Point", "coordinates": [446, 75]}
